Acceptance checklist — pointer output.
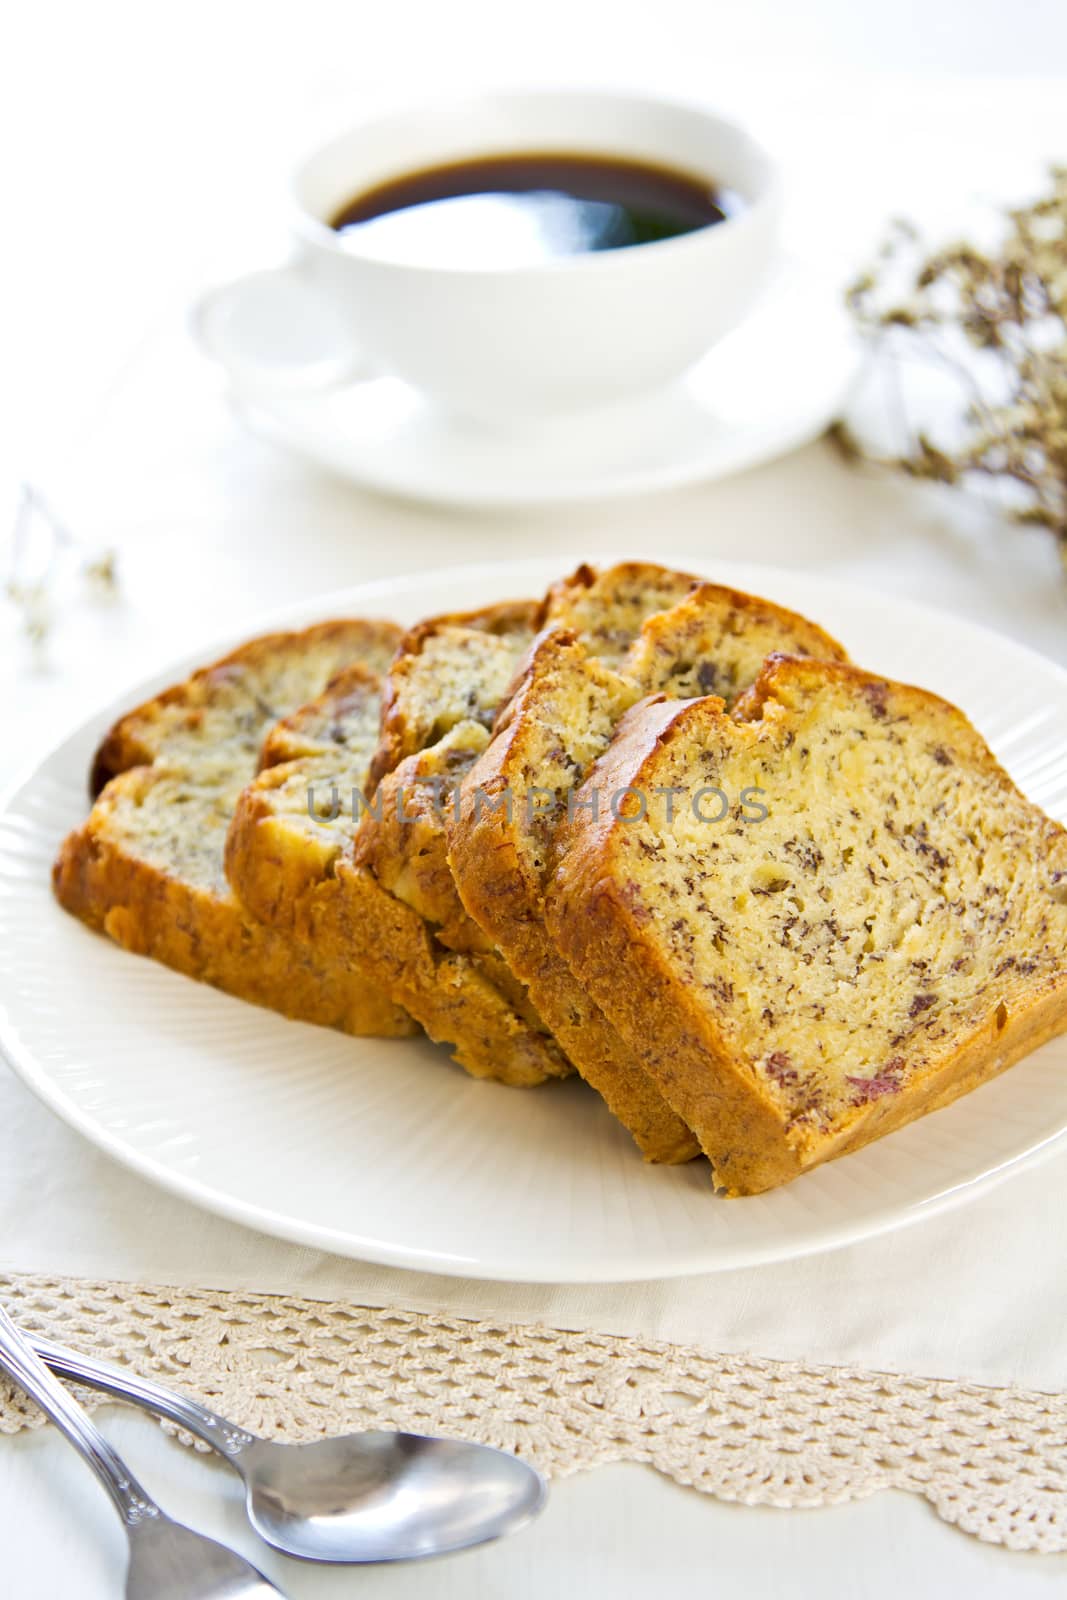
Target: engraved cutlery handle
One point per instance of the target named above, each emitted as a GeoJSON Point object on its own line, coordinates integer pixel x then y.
{"type": "Point", "coordinates": [222, 1435]}
{"type": "Point", "coordinates": [18, 1359]}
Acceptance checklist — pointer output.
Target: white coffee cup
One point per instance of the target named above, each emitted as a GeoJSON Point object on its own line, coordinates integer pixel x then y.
{"type": "Point", "coordinates": [505, 343]}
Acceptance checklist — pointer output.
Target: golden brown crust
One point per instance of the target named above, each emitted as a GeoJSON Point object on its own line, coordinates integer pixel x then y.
{"type": "Point", "coordinates": [138, 737]}
{"type": "Point", "coordinates": [331, 905]}
{"type": "Point", "coordinates": [593, 924]}
{"type": "Point", "coordinates": [542, 738]}
{"type": "Point", "coordinates": [404, 839]}
{"type": "Point", "coordinates": [146, 867]}
{"type": "Point", "coordinates": [600, 920]}
{"type": "Point", "coordinates": [499, 878]}
{"type": "Point", "coordinates": [205, 935]}
{"type": "Point", "coordinates": [446, 991]}
{"type": "Point", "coordinates": [267, 874]}
{"type": "Point", "coordinates": [435, 727]}
{"type": "Point", "coordinates": [384, 886]}
{"type": "Point", "coordinates": [497, 892]}
{"type": "Point", "coordinates": [784, 678]}
{"type": "Point", "coordinates": [402, 845]}
{"type": "Point", "coordinates": [691, 650]}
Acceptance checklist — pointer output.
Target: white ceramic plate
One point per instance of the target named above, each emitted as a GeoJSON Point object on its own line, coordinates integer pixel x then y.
{"type": "Point", "coordinates": [385, 1150]}
{"type": "Point", "coordinates": [770, 386]}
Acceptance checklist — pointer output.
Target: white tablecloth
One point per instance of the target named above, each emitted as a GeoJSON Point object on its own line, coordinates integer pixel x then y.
{"type": "Point", "coordinates": [978, 1294]}
{"type": "Point", "coordinates": [211, 524]}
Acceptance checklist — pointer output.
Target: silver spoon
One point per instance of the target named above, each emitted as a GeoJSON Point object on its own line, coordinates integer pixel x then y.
{"type": "Point", "coordinates": [372, 1496]}
{"type": "Point", "coordinates": [167, 1560]}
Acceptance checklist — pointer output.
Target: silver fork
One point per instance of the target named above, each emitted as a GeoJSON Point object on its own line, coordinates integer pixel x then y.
{"type": "Point", "coordinates": [168, 1561]}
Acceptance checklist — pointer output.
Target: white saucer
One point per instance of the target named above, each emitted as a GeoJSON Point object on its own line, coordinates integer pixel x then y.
{"type": "Point", "coordinates": [769, 387]}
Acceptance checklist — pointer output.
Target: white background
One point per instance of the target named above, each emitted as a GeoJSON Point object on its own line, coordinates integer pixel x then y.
{"type": "Point", "coordinates": [143, 147]}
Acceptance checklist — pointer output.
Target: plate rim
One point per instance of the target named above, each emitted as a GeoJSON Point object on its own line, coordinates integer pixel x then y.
{"type": "Point", "coordinates": [372, 1249]}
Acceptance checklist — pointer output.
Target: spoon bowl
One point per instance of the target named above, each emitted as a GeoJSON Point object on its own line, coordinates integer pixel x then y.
{"type": "Point", "coordinates": [380, 1496]}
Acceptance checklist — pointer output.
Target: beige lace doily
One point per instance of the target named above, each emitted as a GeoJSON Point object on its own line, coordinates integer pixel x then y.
{"type": "Point", "coordinates": [991, 1461]}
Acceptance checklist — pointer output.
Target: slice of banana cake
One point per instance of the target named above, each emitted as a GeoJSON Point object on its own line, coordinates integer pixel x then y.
{"type": "Point", "coordinates": [146, 867]}
{"type": "Point", "coordinates": [577, 683]}
{"type": "Point", "coordinates": [816, 918]}
{"type": "Point", "coordinates": [339, 840]}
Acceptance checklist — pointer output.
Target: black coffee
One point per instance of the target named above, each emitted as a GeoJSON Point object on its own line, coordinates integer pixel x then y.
{"type": "Point", "coordinates": [519, 210]}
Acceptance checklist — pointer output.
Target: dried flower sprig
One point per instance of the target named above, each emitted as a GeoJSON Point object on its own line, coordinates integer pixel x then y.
{"type": "Point", "coordinates": [41, 546]}
{"type": "Point", "coordinates": [997, 320]}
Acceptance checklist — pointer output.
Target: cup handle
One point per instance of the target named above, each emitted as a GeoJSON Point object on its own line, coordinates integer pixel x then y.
{"type": "Point", "coordinates": [277, 329]}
